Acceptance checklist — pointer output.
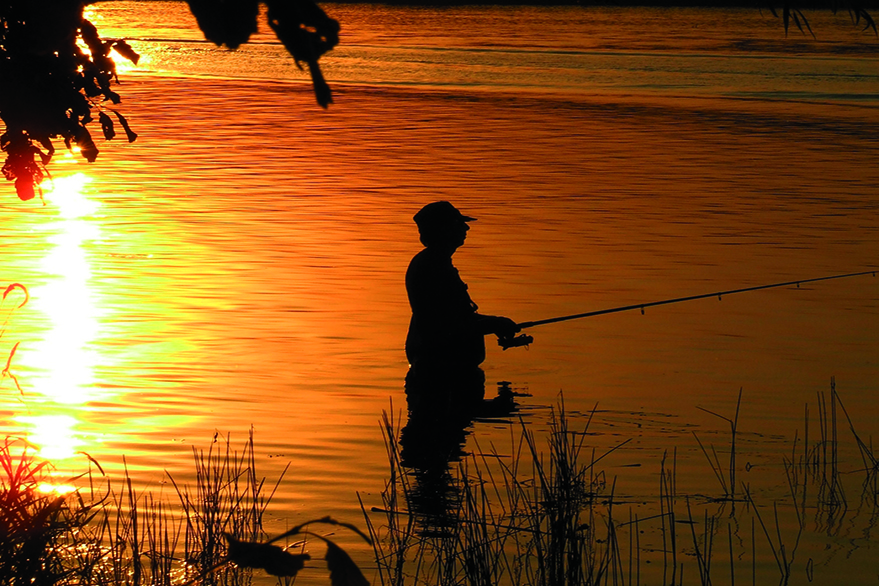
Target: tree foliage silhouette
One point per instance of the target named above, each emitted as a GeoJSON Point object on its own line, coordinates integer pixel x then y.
{"type": "Point", "coordinates": [56, 71]}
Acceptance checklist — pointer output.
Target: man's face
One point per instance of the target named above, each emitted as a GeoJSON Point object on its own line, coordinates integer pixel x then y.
{"type": "Point", "coordinates": [458, 233]}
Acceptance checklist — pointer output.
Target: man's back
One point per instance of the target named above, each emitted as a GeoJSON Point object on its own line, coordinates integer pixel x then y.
{"type": "Point", "coordinates": [443, 330]}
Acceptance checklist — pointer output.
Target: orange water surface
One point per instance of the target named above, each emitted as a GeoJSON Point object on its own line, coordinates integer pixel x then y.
{"type": "Point", "coordinates": [241, 264]}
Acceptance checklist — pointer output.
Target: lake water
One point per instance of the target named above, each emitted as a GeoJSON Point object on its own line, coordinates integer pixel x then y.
{"type": "Point", "coordinates": [241, 264]}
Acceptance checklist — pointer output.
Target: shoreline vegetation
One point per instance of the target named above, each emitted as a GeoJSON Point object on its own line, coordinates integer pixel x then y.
{"type": "Point", "coordinates": [554, 516]}
{"type": "Point", "coordinates": [548, 513]}
{"type": "Point", "coordinates": [99, 532]}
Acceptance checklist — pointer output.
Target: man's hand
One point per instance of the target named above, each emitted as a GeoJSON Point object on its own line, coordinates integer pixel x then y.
{"type": "Point", "coordinates": [504, 327]}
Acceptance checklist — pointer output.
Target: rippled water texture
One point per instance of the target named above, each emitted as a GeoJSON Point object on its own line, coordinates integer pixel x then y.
{"type": "Point", "coordinates": [242, 263]}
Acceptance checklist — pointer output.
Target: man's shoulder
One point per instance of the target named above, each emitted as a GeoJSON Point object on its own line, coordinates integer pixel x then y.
{"type": "Point", "coordinates": [429, 261]}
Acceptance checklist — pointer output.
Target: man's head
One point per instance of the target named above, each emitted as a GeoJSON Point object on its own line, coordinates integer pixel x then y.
{"type": "Point", "coordinates": [441, 224]}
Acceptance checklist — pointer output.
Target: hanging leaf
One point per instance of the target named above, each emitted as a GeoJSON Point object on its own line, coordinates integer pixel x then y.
{"type": "Point", "coordinates": [90, 36]}
{"type": "Point", "coordinates": [6, 371]}
{"type": "Point", "coordinates": [226, 22]}
{"type": "Point", "coordinates": [307, 33]}
{"type": "Point", "coordinates": [343, 570]}
{"type": "Point", "coordinates": [870, 23]}
{"type": "Point", "coordinates": [126, 51]}
{"type": "Point", "coordinates": [107, 126]}
{"type": "Point", "coordinates": [86, 144]}
{"type": "Point", "coordinates": [112, 96]}
{"type": "Point", "coordinates": [132, 136]}
{"type": "Point", "coordinates": [322, 91]}
{"type": "Point", "coordinates": [801, 21]}
{"type": "Point", "coordinates": [326, 519]}
{"type": "Point", "coordinates": [271, 558]}
{"type": "Point", "coordinates": [47, 144]}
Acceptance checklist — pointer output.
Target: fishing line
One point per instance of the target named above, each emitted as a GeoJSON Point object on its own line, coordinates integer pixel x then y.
{"type": "Point", "coordinates": [524, 339]}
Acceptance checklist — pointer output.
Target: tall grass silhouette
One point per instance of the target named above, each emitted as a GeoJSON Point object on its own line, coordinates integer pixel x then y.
{"type": "Point", "coordinates": [548, 514]}
{"type": "Point", "coordinates": [113, 535]}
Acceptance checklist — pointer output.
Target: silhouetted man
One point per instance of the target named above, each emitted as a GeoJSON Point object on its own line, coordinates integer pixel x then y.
{"type": "Point", "coordinates": [446, 331]}
{"type": "Point", "coordinates": [445, 387]}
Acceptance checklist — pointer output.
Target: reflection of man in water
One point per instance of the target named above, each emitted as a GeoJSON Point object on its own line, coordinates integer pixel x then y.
{"type": "Point", "coordinates": [446, 331]}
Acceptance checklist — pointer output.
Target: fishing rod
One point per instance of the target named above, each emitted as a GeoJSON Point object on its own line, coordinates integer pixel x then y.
{"type": "Point", "coordinates": [525, 339]}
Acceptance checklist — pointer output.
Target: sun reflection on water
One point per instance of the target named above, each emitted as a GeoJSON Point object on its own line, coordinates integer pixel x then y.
{"type": "Point", "coordinates": [62, 360]}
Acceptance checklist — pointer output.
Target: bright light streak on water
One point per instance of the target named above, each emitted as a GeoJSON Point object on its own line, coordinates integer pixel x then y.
{"type": "Point", "coordinates": [63, 359]}
{"type": "Point", "coordinates": [55, 436]}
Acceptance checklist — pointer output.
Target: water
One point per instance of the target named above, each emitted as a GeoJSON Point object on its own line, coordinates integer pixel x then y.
{"type": "Point", "coordinates": [241, 264]}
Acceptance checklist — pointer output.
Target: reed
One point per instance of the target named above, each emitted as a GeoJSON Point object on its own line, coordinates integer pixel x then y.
{"type": "Point", "coordinates": [727, 479]}
{"type": "Point", "coordinates": [548, 515]}
{"type": "Point", "coordinates": [105, 535]}
{"type": "Point", "coordinates": [543, 515]}
{"type": "Point", "coordinates": [552, 525]}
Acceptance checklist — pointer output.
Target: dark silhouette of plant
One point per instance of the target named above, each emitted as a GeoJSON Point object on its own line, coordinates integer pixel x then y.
{"type": "Point", "coordinates": [56, 71]}
{"type": "Point", "coordinates": [50, 85]}
{"type": "Point", "coordinates": [856, 11]}
{"type": "Point", "coordinates": [107, 536]}
{"type": "Point", "coordinates": [6, 315]}
{"type": "Point", "coordinates": [277, 561]}
{"type": "Point", "coordinates": [32, 524]}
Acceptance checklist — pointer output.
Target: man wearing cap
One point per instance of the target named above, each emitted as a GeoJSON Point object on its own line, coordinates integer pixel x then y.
{"type": "Point", "coordinates": [446, 330]}
{"type": "Point", "coordinates": [445, 387]}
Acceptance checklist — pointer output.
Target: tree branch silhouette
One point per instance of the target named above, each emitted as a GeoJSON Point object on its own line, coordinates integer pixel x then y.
{"type": "Point", "coordinates": [56, 71]}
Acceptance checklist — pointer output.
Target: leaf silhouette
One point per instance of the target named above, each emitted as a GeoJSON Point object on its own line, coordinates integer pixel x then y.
{"type": "Point", "coordinates": [307, 33]}
{"type": "Point", "coordinates": [343, 570]}
{"type": "Point", "coordinates": [86, 144]}
{"type": "Point", "coordinates": [801, 21]}
{"type": "Point", "coordinates": [126, 51]}
{"type": "Point", "coordinates": [226, 22]}
{"type": "Point", "coordinates": [271, 558]}
{"type": "Point", "coordinates": [91, 38]}
{"type": "Point", "coordinates": [107, 126]}
{"type": "Point", "coordinates": [132, 136]}
{"type": "Point", "coordinates": [870, 23]}
{"type": "Point", "coordinates": [47, 144]}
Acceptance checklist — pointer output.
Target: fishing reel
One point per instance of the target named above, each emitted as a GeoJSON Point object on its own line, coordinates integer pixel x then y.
{"type": "Point", "coordinates": [515, 341]}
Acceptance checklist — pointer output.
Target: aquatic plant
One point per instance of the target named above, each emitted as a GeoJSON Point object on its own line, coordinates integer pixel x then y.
{"type": "Point", "coordinates": [112, 536]}
{"type": "Point", "coordinates": [552, 516]}
{"type": "Point", "coordinates": [552, 526]}
{"type": "Point", "coordinates": [7, 314]}
{"type": "Point", "coordinates": [31, 523]}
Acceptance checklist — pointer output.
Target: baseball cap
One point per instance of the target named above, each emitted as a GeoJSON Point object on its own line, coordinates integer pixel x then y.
{"type": "Point", "coordinates": [439, 213]}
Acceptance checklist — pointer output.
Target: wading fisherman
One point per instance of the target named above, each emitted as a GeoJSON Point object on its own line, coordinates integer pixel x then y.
{"type": "Point", "coordinates": [446, 330]}
{"type": "Point", "coordinates": [445, 387]}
